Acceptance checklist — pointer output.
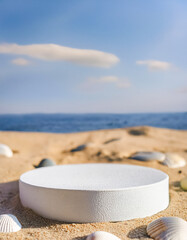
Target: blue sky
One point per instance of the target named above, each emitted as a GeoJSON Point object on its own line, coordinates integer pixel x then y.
{"type": "Point", "coordinates": [93, 56]}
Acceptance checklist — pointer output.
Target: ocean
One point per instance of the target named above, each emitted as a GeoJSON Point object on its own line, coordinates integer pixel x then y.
{"type": "Point", "coordinates": [69, 123]}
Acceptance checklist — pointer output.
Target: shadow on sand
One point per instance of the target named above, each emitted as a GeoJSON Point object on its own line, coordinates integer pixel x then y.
{"type": "Point", "coordinates": [176, 186]}
{"type": "Point", "coordinates": [111, 140]}
{"type": "Point", "coordinates": [138, 232]}
{"type": "Point", "coordinates": [10, 204]}
{"type": "Point", "coordinates": [80, 238]}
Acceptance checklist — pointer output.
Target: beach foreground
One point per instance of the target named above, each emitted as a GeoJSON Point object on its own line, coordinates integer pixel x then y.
{"type": "Point", "coordinates": [106, 146]}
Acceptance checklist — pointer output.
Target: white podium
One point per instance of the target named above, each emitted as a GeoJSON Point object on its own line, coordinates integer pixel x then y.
{"type": "Point", "coordinates": [94, 192]}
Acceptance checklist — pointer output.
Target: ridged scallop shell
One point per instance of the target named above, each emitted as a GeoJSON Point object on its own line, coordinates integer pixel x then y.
{"type": "Point", "coordinates": [100, 235]}
{"type": "Point", "coordinates": [174, 161]}
{"type": "Point", "coordinates": [9, 223]}
{"type": "Point", "coordinates": [45, 163]}
{"type": "Point", "coordinates": [168, 228]}
{"type": "Point", "coordinates": [148, 156]}
{"type": "Point", "coordinates": [5, 150]}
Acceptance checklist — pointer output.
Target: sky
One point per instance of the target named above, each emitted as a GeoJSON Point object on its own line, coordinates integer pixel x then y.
{"type": "Point", "coordinates": [93, 56]}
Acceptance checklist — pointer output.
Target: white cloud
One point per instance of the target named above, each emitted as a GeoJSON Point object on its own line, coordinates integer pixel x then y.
{"type": "Point", "coordinates": [106, 79]}
{"type": "Point", "coordinates": [155, 65]}
{"type": "Point", "coordinates": [92, 82]}
{"type": "Point", "coordinates": [20, 61]}
{"type": "Point", "coordinates": [53, 52]}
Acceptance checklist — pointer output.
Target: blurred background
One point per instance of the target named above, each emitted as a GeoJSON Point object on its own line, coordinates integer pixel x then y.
{"type": "Point", "coordinates": [68, 66]}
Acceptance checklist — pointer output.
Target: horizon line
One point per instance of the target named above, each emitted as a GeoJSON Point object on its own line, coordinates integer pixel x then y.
{"type": "Point", "coordinates": [84, 113]}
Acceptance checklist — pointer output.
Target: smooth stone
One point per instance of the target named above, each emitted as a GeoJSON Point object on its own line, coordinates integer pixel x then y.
{"type": "Point", "coordinates": [82, 147]}
{"type": "Point", "coordinates": [148, 156]}
{"type": "Point", "coordinates": [183, 184]}
{"type": "Point", "coordinates": [79, 148]}
{"type": "Point", "coordinates": [45, 163]}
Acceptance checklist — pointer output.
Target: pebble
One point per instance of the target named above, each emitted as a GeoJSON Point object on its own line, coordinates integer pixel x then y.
{"type": "Point", "coordinates": [183, 184]}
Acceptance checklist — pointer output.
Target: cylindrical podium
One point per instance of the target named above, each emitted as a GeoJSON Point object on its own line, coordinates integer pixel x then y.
{"type": "Point", "coordinates": [95, 192]}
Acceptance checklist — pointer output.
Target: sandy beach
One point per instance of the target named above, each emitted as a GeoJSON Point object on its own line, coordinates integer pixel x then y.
{"type": "Point", "coordinates": [105, 146]}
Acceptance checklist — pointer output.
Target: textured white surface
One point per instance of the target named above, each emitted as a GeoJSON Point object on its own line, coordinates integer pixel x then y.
{"type": "Point", "coordinates": [94, 192]}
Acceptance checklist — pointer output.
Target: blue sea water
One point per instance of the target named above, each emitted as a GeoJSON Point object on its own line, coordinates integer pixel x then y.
{"type": "Point", "coordinates": [68, 123]}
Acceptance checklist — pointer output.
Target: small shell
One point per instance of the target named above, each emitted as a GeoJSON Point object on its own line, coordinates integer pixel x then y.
{"type": "Point", "coordinates": [183, 184]}
{"type": "Point", "coordinates": [100, 235]}
{"type": "Point", "coordinates": [174, 161]}
{"type": "Point", "coordinates": [148, 156]}
{"type": "Point", "coordinates": [45, 163]}
{"type": "Point", "coordinates": [5, 150]}
{"type": "Point", "coordinates": [168, 228]}
{"type": "Point", "coordinates": [9, 223]}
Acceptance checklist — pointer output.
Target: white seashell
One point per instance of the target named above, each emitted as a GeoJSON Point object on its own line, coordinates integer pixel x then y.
{"type": "Point", "coordinates": [148, 156]}
{"type": "Point", "coordinates": [9, 223]}
{"type": "Point", "coordinates": [174, 161]}
{"type": "Point", "coordinates": [5, 150]}
{"type": "Point", "coordinates": [168, 228]}
{"type": "Point", "coordinates": [100, 235]}
{"type": "Point", "coordinates": [183, 183]}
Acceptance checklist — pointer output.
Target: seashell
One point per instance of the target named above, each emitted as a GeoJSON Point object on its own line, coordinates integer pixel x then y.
{"type": "Point", "coordinates": [174, 161]}
{"type": "Point", "coordinates": [9, 223]}
{"type": "Point", "coordinates": [45, 163]}
{"type": "Point", "coordinates": [168, 228]}
{"type": "Point", "coordinates": [5, 150]}
{"type": "Point", "coordinates": [148, 156]}
{"type": "Point", "coordinates": [183, 183]}
{"type": "Point", "coordinates": [101, 235]}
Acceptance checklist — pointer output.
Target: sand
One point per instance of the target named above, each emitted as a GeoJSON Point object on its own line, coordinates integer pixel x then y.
{"type": "Point", "coordinates": [108, 146]}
